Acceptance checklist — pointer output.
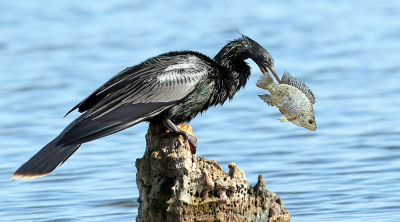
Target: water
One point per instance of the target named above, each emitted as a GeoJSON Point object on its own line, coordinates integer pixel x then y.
{"type": "Point", "coordinates": [55, 53]}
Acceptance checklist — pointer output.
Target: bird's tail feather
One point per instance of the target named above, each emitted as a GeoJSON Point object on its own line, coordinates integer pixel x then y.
{"type": "Point", "coordinates": [64, 145]}
{"type": "Point", "coordinates": [49, 157]}
{"type": "Point", "coordinates": [45, 161]}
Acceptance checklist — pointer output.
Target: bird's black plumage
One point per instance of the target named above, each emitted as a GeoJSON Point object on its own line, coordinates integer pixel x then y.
{"type": "Point", "coordinates": [171, 87]}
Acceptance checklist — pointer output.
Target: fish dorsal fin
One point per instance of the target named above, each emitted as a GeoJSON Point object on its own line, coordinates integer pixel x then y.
{"type": "Point", "coordinates": [293, 81]}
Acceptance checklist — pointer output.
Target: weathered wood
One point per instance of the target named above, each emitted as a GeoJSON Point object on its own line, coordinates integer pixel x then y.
{"type": "Point", "coordinates": [175, 185]}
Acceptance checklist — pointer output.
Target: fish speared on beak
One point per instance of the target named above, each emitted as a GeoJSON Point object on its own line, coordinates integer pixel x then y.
{"type": "Point", "coordinates": [264, 70]}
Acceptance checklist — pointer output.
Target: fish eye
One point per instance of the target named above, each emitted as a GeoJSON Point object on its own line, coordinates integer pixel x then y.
{"type": "Point", "coordinates": [311, 121]}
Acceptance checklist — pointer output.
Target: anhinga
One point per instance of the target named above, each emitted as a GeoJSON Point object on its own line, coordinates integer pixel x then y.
{"type": "Point", "coordinates": [171, 88]}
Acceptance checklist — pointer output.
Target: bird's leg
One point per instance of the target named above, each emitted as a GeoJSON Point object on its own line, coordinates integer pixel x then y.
{"type": "Point", "coordinates": [175, 129]}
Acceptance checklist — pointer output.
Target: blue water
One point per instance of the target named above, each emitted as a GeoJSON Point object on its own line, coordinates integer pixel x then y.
{"type": "Point", "coordinates": [55, 53]}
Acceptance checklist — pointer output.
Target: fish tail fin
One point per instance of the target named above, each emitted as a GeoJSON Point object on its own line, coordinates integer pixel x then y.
{"type": "Point", "coordinates": [265, 81]}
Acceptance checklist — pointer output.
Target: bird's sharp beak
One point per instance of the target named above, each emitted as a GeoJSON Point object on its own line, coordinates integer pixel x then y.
{"type": "Point", "coordinates": [264, 70]}
{"type": "Point", "coordinates": [271, 68]}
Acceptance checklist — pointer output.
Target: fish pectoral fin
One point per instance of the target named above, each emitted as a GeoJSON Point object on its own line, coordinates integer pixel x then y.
{"type": "Point", "coordinates": [267, 98]}
{"type": "Point", "coordinates": [285, 119]}
{"type": "Point", "coordinates": [290, 116]}
{"type": "Point", "coordinates": [286, 116]}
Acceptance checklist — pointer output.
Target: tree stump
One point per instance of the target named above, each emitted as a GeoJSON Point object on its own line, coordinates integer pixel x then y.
{"type": "Point", "coordinates": [175, 185]}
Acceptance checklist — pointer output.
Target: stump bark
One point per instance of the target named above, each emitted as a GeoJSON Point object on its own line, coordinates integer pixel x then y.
{"type": "Point", "coordinates": [175, 185]}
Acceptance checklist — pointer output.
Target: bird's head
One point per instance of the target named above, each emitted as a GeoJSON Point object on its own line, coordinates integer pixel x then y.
{"type": "Point", "coordinates": [265, 62]}
{"type": "Point", "coordinates": [260, 56]}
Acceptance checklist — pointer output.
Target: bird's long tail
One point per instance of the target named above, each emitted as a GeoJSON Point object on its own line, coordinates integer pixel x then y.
{"type": "Point", "coordinates": [48, 158]}
{"type": "Point", "coordinates": [81, 130]}
{"type": "Point", "coordinates": [45, 161]}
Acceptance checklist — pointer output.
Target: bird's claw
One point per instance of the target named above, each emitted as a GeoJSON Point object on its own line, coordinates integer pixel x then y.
{"type": "Point", "coordinates": [186, 131]}
{"type": "Point", "coordinates": [192, 143]}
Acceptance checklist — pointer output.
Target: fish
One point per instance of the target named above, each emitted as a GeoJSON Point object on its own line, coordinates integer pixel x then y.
{"type": "Point", "coordinates": [292, 97]}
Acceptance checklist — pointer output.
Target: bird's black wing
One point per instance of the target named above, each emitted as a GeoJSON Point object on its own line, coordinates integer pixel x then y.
{"type": "Point", "coordinates": [134, 95]}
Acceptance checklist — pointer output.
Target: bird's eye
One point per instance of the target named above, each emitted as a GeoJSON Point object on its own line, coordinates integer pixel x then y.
{"type": "Point", "coordinates": [265, 62]}
{"type": "Point", "coordinates": [311, 121]}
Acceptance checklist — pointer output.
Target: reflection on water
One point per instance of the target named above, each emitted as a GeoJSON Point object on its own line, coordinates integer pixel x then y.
{"type": "Point", "coordinates": [55, 53]}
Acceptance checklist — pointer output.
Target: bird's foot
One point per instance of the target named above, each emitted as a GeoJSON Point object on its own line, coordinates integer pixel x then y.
{"type": "Point", "coordinates": [182, 129]}
{"type": "Point", "coordinates": [188, 134]}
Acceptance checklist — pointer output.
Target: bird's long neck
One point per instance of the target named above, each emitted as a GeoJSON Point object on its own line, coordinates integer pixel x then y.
{"type": "Point", "coordinates": [232, 60]}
